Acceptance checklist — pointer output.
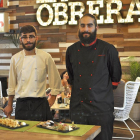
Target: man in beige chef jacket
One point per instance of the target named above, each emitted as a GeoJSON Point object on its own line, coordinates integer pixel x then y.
{"type": "Point", "coordinates": [27, 79]}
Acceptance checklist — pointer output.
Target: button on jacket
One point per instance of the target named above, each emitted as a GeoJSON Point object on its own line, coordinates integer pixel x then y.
{"type": "Point", "coordinates": [27, 75]}
{"type": "Point", "coordinates": [93, 73]}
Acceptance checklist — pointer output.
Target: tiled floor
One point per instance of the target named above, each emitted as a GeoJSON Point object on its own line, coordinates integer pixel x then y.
{"type": "Point", "coordinates": [125, 132]}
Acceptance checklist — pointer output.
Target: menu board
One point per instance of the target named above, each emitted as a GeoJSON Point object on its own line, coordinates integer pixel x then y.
{"type": "Point", "coordinates": [4, 22]}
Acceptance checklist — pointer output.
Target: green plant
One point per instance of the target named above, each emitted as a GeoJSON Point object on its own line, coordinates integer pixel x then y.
{"type": "Point", "coordinates": [15, 39]}
{"type": "Point", "coordinates": [134, 68]}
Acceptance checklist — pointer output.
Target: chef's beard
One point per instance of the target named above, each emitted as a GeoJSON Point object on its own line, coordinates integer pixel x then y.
{"type": "Point", "coordinates": [29, 48]}
{"type": "Point", "coordinates": [87, 40]}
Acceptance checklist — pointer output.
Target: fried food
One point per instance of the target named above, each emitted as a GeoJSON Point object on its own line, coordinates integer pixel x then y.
{"type": "Point", "coordinates": [11, 123]}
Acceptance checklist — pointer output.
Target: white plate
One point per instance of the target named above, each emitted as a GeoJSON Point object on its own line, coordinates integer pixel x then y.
{"type": "Point", "coordinates": [62, 105]}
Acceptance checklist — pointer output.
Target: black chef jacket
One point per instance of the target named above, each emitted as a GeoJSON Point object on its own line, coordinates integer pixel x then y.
{"type": "Point", "coordinates": [92, 72]}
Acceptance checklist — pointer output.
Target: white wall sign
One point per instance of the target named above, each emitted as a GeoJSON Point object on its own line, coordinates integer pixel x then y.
{"type": "Point", "coordinates": [72, 5]}
{"type": "Point", "coordinates": [4, 22]}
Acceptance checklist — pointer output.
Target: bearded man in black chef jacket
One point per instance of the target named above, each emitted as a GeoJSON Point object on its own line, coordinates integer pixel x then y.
{"type": "Point", "coordinates": [94, 71]}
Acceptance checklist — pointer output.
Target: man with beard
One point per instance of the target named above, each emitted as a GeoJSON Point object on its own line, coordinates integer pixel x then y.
{"type": "Point", "coordinates": [27, 80]}
{"type": "Point", "coordinates": [94, 71]}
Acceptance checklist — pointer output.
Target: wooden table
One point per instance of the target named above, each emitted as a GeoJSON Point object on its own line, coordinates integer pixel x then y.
{"type": "Point", "coordinates": [12, 135]}
{"type": "Point", "coordinates": [56, 107]}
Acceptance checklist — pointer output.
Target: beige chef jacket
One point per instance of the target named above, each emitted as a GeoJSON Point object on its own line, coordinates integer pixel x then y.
{"type": "Point", "coordinates": [27, 75]}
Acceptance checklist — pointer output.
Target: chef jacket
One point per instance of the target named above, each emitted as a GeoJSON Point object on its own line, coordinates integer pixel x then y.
{"type": "Point", "coordinates": [27, 75]}
{"type": "Point", "coordinates": [93, 72]}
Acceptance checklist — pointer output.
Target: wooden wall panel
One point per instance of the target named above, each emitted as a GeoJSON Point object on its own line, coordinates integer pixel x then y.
{"type": "Point", "coordinates": [56, 39]}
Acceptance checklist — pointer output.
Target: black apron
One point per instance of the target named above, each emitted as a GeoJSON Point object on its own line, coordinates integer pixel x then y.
{"type": "Point", "coordinates": [105, 120]}
{"type": "Point", "coordinates": [36, 109]}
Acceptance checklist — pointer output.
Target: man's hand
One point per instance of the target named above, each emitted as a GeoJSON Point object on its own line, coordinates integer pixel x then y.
{"type": "Point", "coordinates": [8, 110]}
{"type": "Point", "coordinates": [51, 100]}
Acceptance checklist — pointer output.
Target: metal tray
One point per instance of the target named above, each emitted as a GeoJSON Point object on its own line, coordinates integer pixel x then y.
{"type": "Point", "coordinates": [21, 126]}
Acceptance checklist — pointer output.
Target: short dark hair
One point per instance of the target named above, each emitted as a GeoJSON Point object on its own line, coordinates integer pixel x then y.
{"type": "Point", "coordinates": [28, 29]}
{"type": "Point", "coordinates": [92, 16]}
{"type": "Point", "coordinates": [63, 74]}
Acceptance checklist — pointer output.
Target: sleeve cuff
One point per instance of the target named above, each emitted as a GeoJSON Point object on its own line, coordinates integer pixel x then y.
{"type": "Point", "coordinates": [57, 91]}
{"type": "Point", "coordinates": [115, 83]}
{"type": "Point", "coordinates": [10, 91]}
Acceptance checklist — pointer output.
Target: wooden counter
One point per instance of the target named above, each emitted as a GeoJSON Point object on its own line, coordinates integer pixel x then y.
{"type": "Point", "coordinates": [57, 107]}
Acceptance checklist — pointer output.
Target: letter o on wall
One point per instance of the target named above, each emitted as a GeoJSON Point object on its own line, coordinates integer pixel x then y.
{"type": "Point", "coordinates": [38, 14]}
